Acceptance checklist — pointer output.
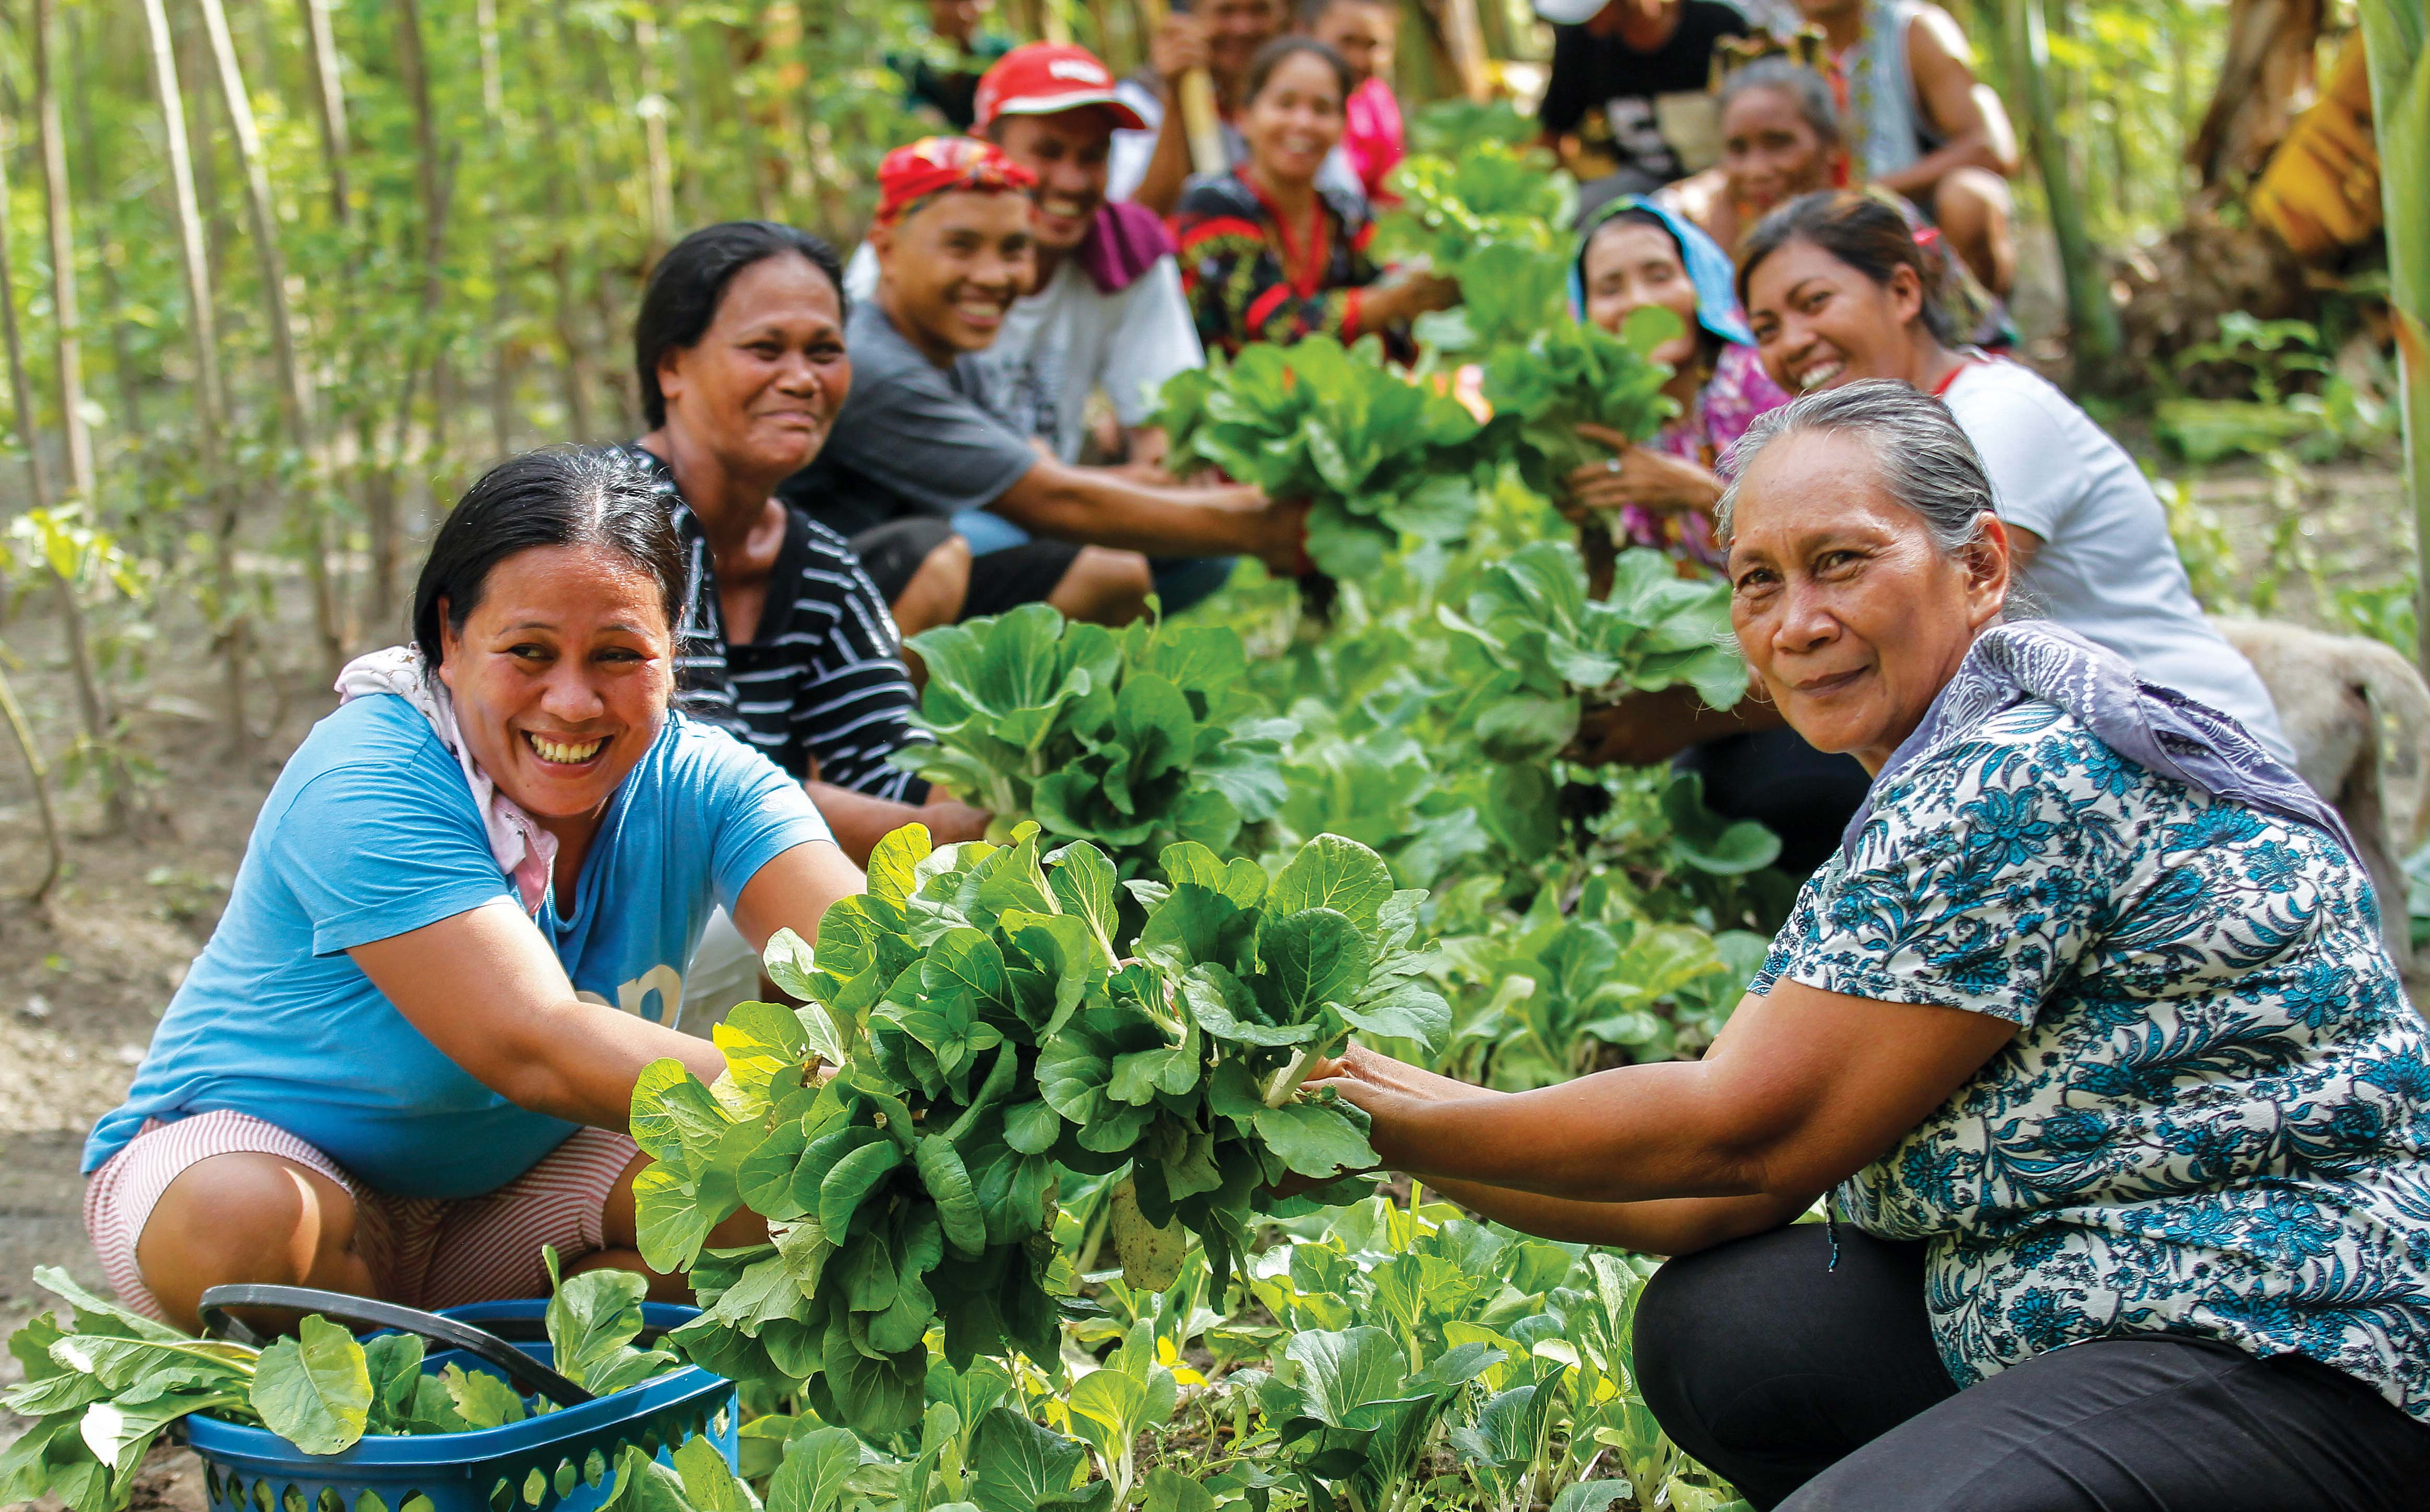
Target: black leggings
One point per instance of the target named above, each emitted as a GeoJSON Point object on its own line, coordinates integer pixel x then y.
{"type": "Point", "coordinates": [1812, 1389]}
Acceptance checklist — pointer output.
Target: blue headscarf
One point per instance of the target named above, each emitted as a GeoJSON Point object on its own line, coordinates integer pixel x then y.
{"type": "Point", "coordinates": [1708, 267]}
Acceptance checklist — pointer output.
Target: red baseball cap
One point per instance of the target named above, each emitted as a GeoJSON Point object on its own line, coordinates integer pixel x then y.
{"type": "Point", "coordinates": [1048, 78]}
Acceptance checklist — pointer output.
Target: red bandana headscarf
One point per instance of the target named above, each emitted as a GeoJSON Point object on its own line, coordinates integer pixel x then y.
{"type": "Point", "coordinates": [912, 175]}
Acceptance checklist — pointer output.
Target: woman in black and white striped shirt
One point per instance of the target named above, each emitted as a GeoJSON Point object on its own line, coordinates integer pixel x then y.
{"type": "Point", "coordinates": [739, 350]}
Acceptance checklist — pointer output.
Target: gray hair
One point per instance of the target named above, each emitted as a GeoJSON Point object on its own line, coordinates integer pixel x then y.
{"type": "Point", "coordinates": [1925, 461]}
{"type": "Point", "coordinates": [1807, 89]}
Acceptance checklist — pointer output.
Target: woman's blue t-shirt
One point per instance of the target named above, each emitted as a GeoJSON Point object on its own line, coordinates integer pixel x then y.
{"type": "Point", "coordinates": [369, 832]}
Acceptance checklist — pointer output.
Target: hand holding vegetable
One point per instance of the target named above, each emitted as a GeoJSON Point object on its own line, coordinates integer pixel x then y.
{"type": "Point", "coordinates": [1636, 476]}
{"type": "Point", "coordinates": [1406, 293]}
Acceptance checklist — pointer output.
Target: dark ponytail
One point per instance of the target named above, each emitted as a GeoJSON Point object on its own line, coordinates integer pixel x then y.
{"type": "Point", "coordinates": [1865, 231]}
{"type": "Point", "coordinates": [564, 496]}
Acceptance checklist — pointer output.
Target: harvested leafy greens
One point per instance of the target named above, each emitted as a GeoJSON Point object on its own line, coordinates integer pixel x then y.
{"type": "Point", "coordinates": [1538, 648]}
{"type": "Point", "coordinates": [1572, 372]}
{"type": "Point", "coordinates": [102, 1389]}
{"type": "Point", "coordinates": [1377, 456]}
{"type": "Point", "coordinates": [1131, 738]}
{"type": "Point", "coordinates": [989, 1016]}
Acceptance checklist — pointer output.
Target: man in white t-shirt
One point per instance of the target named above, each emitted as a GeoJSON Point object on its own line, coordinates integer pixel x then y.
{"type": "Point", "coordinates": [1107, 311]}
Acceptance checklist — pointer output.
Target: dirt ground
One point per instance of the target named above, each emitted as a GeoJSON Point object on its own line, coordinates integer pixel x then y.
{"type": "Point", "coordinates": [84, 978]}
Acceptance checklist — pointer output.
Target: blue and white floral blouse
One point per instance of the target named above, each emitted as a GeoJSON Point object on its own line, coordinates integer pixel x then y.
{"type": "Point", "coordinates": [2214, 1116]}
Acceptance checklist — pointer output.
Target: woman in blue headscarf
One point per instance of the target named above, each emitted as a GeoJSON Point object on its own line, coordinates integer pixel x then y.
{"type": "Point", "coordinates": [1634, 253]}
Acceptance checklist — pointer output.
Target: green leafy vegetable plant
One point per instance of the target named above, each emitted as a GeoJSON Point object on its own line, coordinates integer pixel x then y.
{"type": "Point", "coordinates": [1541, 648]}
{"type": "Point", "coordinates": [1375, 455]}
{"type": "Point", "coordinates": [1131, 738]}
{"type": "Point", "coordinates": [987, 1017]}
{"type": "Point", "coordinates": [1573, 372]}
{"type": "Point", "coordinates": [1486, 194]}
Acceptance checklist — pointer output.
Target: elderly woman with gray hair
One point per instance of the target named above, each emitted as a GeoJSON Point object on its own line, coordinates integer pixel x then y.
{"type": "Point", "coordinates": [2085, 1037]}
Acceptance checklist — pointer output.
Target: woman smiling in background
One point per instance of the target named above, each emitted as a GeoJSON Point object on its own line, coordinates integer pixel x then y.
{"type": "Point", "coordinates": [1268, 254]}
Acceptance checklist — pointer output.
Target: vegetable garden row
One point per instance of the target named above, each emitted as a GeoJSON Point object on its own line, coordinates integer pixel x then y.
{"type": "Point", "coordinates": [1017, 1140]}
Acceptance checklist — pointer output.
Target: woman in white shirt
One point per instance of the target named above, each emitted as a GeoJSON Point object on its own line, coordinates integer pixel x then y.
{"type": "Point", "coordinates": [1837, 290]}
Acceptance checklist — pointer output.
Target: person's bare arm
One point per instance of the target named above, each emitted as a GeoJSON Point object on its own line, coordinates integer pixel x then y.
{"type": "Point", "coordinates": [1967, 113]}
{"type": "Point", "coordinates": [860, 821]}
{"type": "Point", "coordinates": [485, 988]}
{"type": "Point", "coordinates": [1670, 1226]}
{"type": "Point", "coordinates": [1802, 1088]}
{"type": "Point", "coordinates": [1178, 46]}
{"type": "Point", "coordinates": [1102, 507]}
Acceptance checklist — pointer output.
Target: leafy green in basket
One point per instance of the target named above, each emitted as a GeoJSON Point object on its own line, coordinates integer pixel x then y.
{"type": "Point", "coordinates": [100, 1388]}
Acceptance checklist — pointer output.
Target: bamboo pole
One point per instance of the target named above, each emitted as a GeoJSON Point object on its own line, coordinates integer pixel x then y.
{"type": "Point", "coordinates": [21, 387]}
{"type": "Point", "coordinates": [2396, 37]}
{"type": "Point", "coordinates": [2093, 321]}
{"type": "Point", "coordinates": [329, 105]}
{"type": "Point", "coordinates": [295, 402]}
{"type": "Point", "coordinates": [1194, 93]}
{"type": "Point", "coordinates": [41, 779]}
{"type": "Point", "coordinates": [210, 391]}
{"type": "Point", "coordinates": [59, 213]}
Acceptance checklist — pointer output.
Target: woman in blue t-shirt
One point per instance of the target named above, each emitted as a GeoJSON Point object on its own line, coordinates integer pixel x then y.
{"type": "Point", "coordinates": [405, 1060]}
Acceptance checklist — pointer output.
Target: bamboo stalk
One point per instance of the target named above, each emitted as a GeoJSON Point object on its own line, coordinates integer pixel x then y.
{"type": "Point", "coordinates": [21, 387]}
{"type": "Point", "coordinates": [2093, 321]}
{"type": "Point", "coordinates": [329, 106]}
{"type": "Point", "coordinates": [2396, 36]}
{"type": "Point", "coordinates": [59, 214]}
{"type": "Point", "coordinates": [38, 775]}
{"type": "Point", "coordinates": [92, 706]}
{"type": "Point", "coordinates": [295, 402]}
{"type": "Point", "coordinates": [211, 393]}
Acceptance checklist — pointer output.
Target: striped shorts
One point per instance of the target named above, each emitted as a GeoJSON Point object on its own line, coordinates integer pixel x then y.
{"type": "Point", "coordinates": [422, 1252]}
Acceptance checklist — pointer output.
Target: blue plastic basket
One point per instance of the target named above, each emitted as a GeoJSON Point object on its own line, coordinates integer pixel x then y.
{"type": "Point", "coordinates": [562, 1461]}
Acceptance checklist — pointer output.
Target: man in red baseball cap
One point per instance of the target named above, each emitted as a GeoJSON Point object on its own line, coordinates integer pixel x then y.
{"type": "Point", "coordinates": [1105, 311]}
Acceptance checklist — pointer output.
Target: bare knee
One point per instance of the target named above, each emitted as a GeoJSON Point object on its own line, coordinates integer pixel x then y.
{"type": "Point", "coordinates": [1104, 587]}
{"type": "Point", "coordinates": [936, 592]}
{"type": "Point", "coordinates": [243, 1218]}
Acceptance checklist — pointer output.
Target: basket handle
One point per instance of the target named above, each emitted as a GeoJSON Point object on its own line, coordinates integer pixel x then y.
{"type": "Point", "coordinates": [526, 1373]}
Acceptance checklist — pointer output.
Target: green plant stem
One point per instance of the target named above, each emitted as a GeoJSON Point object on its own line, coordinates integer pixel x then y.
{"type": "Point", "coordinates": [2399, 56]}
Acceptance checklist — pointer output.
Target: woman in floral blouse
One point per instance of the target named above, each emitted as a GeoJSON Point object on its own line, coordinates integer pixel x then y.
{"type": "Point", "coordinates": [1269, 255]}
{"type": "Point", "coordinates": [1636, 253]}
{"type": "Point", "coordinates": [2085, 1035]}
